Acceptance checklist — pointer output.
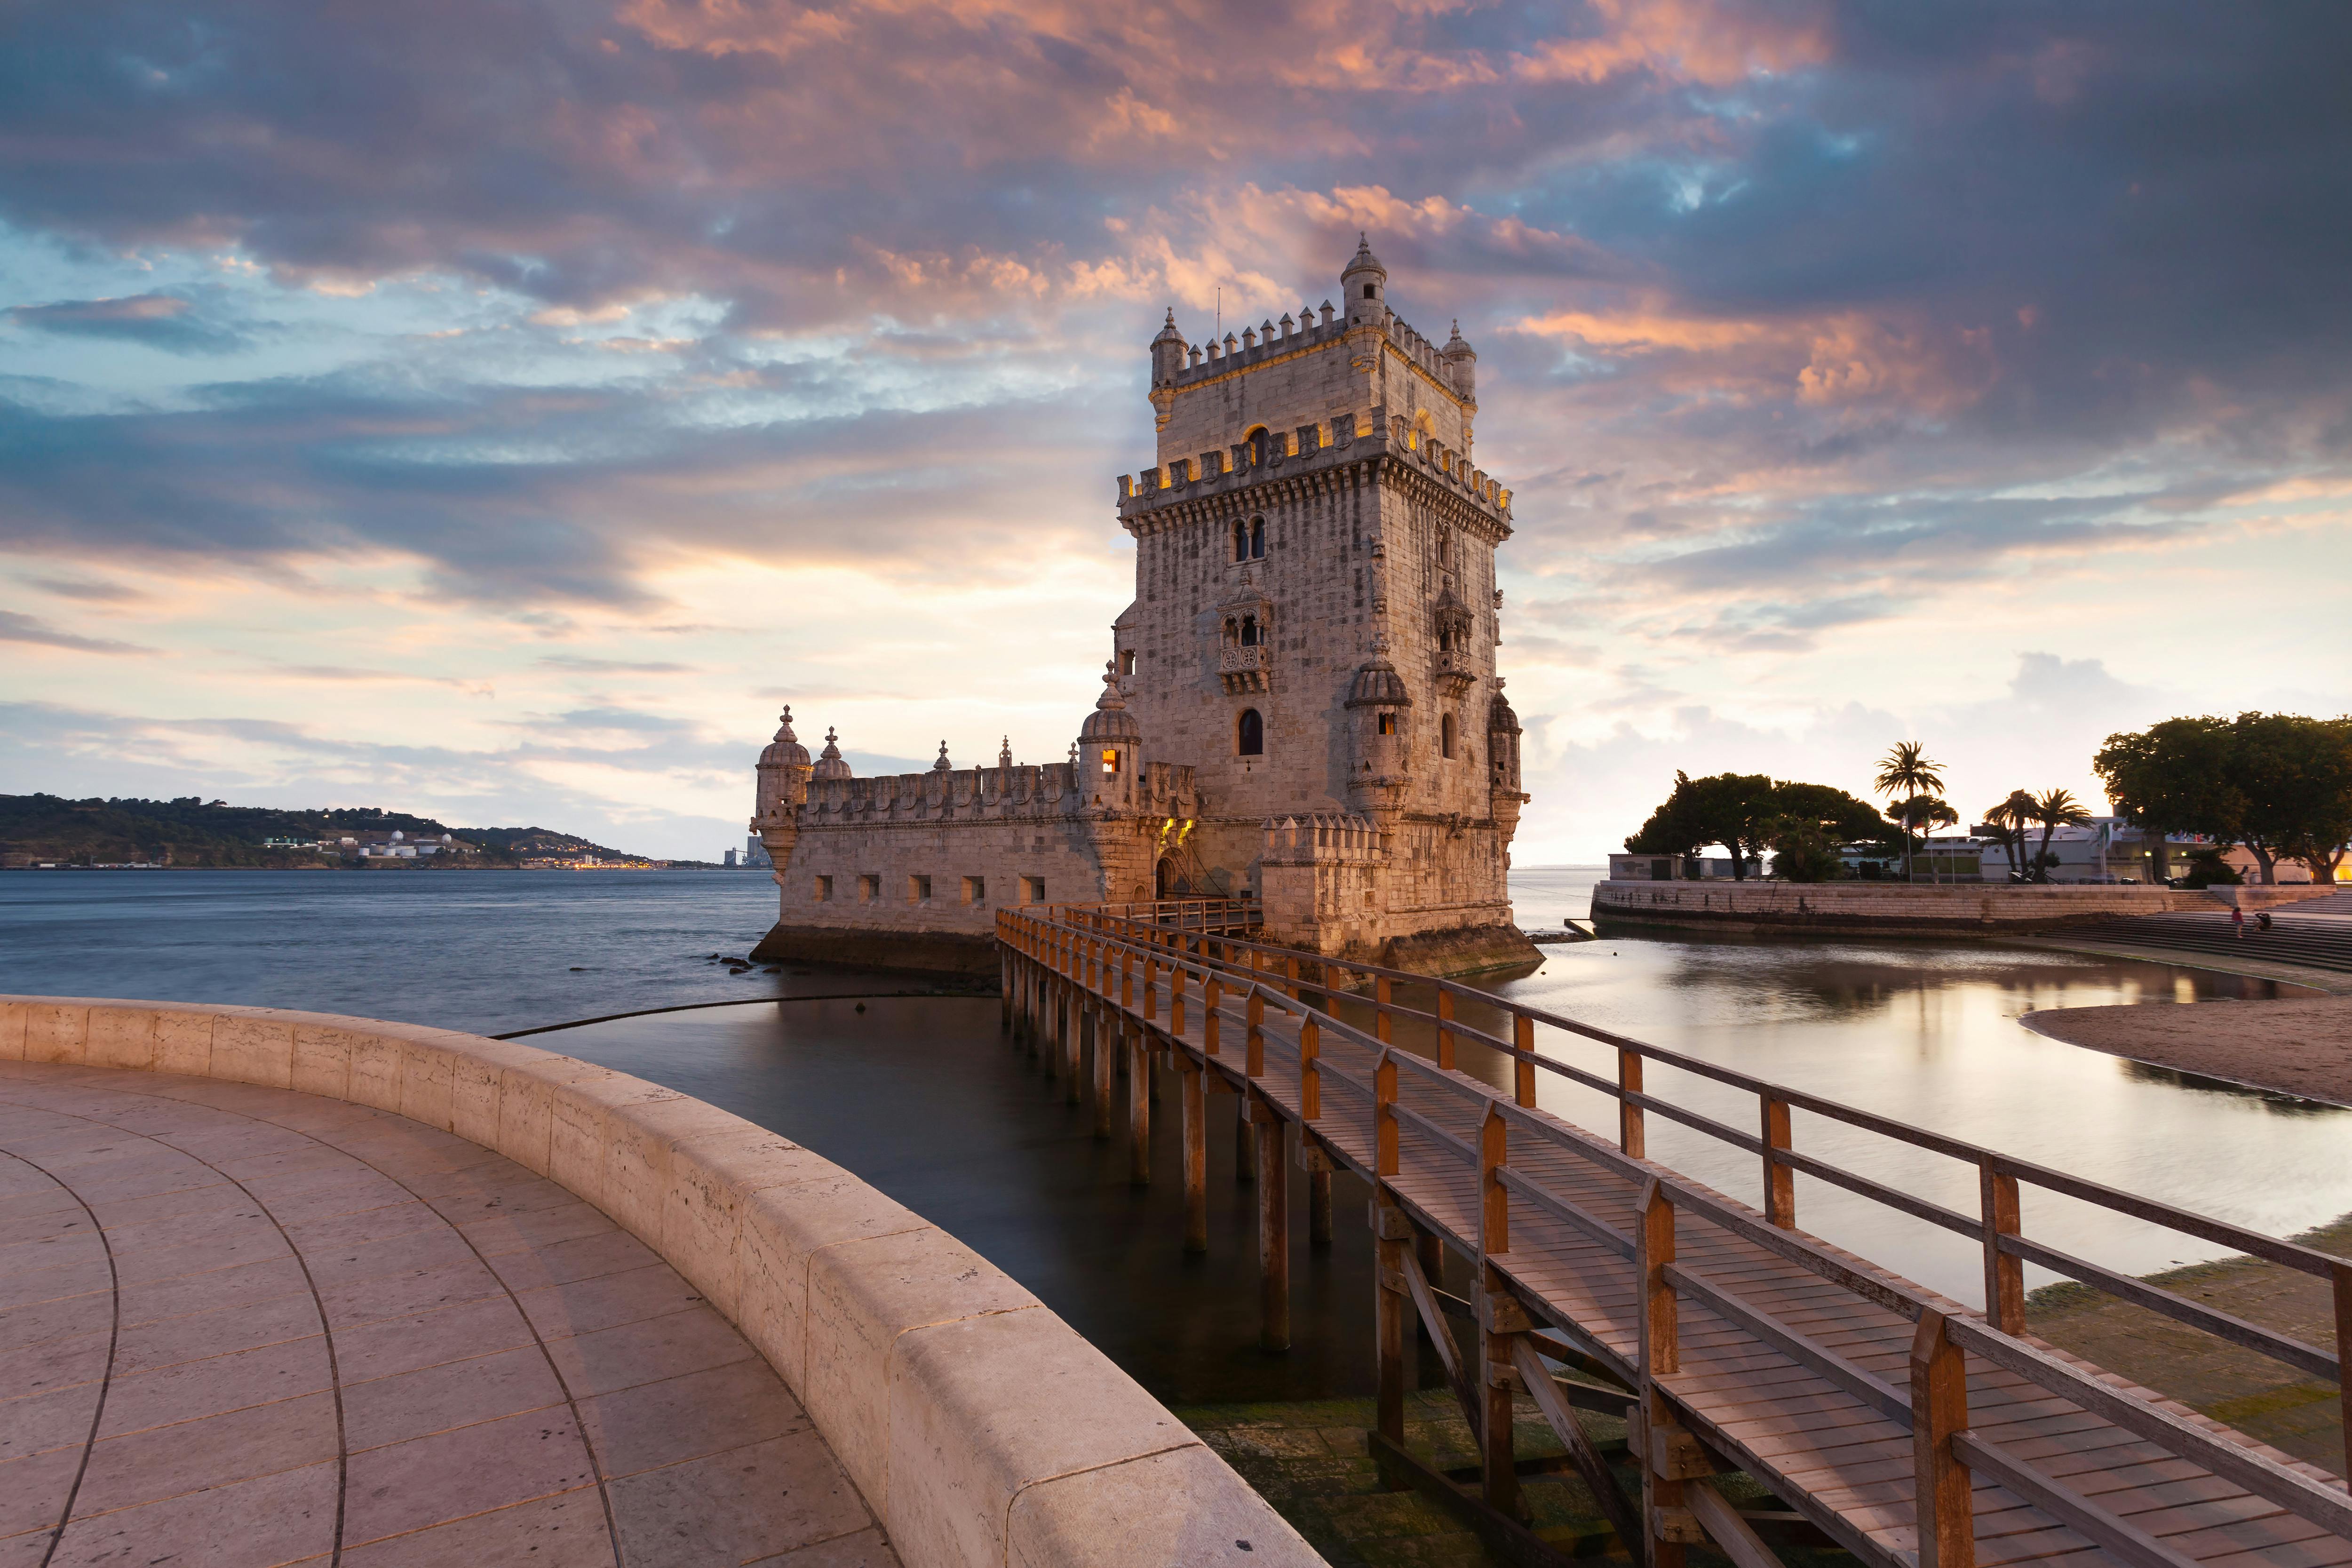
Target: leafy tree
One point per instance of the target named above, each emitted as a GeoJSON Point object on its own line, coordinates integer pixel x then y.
{"type": "Point", "coordinates": [2279, 783]}
{"type": "Point", "coordinates": [2009, 818]}
{"type": "Point", "coordinates": [1920, 814]}
{"type": "Point", "coordinates": [1729, 809]}
{"type": "Point", "coordinates": [2054, 809]}
{"type": "Point", "coordinates": [1906, 771]}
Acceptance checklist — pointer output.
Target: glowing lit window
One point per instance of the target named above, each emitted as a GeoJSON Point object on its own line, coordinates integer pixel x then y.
{"type": "Point", "coordinates": [1388, 723]}
{"type": "Point", "coordinates": [1111, 761]}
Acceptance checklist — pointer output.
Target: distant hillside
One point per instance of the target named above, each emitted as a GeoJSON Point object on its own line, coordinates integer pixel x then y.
{"type": "Point", "coordinates": [193, 831]}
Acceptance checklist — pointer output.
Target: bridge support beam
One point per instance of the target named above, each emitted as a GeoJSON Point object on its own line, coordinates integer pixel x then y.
{"type": "Point", "coordinates": [1500, 1321]}
{"type": "Point", "coordinates": [1195, 1121]}
{"type": "Point", "coordinates": [1392, 1311]}
{"type": "Point", "coordinates": [1108, 1028]}
{"type": "Point", "coordinates": [1273, 1228]}
{"type": "Point", "coordinates": [1315, 1160]}
{"type": "Point", "coordinates": [1138, 1107]}
{"type": "Point", "coordinates": [1073, 1029]}
{"type": "Point", "coordinates": [1244, 1147]}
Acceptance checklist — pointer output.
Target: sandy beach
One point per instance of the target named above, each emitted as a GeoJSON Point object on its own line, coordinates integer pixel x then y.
{"type": "Point", "coordinates": [2302, 1047]}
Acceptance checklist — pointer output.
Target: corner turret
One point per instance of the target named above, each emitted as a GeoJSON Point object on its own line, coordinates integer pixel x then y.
{"type": "Point", "coordinates": [1364, 285]}
{"type": "Point", "coordinates": [1110, 742]}
{"type": "Point", "coordinates": [783, 775]}
{"type": "Point", "coordinates": [830, 763]}
{"type": "Point", "coordinates": [1379, 736]}
{"type": "Point", "coordinates": [1461, 365]}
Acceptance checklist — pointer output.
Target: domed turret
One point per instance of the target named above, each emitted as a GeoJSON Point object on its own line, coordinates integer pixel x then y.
{"type": "Point", "coordinates": [1503, 757]}
{"type": "Point", "coordinates": [943, 765]}
{"type": "Point", "coordinates": [1461, 365]}
{"type": "Point", "coordinates": [1108, 744]}
{"type": "Point", "coordinates": [1365, 285]}
{"type": "Point", "coordinates": [830, 763]}
{"type": "Point", "coordinates": [783, 775]}
{"type": "Point", "coordinates": [1379, 723]}
{"type": "Point", "coordinates": [1167, 350]}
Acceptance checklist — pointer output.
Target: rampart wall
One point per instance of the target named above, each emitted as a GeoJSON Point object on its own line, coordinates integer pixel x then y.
{"type": "Point", "coordinates": [1880, 908]}
{"type": "Point", "coordinates": [981, 1427]}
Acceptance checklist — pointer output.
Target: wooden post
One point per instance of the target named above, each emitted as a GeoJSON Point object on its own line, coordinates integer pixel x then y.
{"type": "Point", "coordinates": [1108, 1028]}
{"type": "Point", "coordinates": [1780, 1179]}
{"type": "Point", "coordinates": [1176, 978]}
{"type": "Point", "coordinates": [1254, 1063]}
{"type": "Point", "coordinates": [1523, 1071]}
{"type": "Point", "coordinates": [1139, 1108]}
{"type": "Point", "coordinates": [1660, 1354]}
{"type": "Point", "coordinates": [1383, 991]}
{"type": "Point", "coordinates": [1311, 1075]}
{"type": "Point", "coordinates": [1939, 1407]}
{"type": "Point", "coordinates": [1630, 1136]}
{"type": "Point", "coordinates": [1445, 1027]}
{"type": "Point", "coordinates": [1004, 984]}
{"type": "Point", "coordinates": [1213, 997]}
{"type": "Point", "coordinates": [2004, 1272]}
{"type": "Point", "coordinates": [2342, 1280]}
{"type": "Point", "coordinates": [1151, 989]}
{"type": "Point", "coordinates": [1244, 1144]}
{"type": "Point", "coordinates": [1384, 1121]}
{"type": "Point", "coordinates": [1499, 1320]}
{"type": "Point", "coordinates": [1273, 1228]}
{"type": "Point", "coordinates": [1196, 1154]}
{"type": "Point", "coordinates": [1391, 1302]}
{"type": "Point", "coordinates": [1290, 970]}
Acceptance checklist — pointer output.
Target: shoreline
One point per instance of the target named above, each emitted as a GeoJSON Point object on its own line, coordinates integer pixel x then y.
{"type": "Point", "coordinates": [2298, 1046]}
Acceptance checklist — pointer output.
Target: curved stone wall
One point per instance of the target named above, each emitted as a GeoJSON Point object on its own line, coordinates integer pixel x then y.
{"type": "Point", "coordinates": [981, 1429]}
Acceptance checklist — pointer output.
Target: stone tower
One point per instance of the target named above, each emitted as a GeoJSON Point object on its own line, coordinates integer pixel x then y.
{"type": "Point", "coordinates": [1315, 625]}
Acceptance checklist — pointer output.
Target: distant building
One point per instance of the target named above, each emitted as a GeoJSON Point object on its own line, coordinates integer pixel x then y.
{"type": "Point", "coordinates": [755, 853]}
{"type": "Point", "coordinates": [728, 861]}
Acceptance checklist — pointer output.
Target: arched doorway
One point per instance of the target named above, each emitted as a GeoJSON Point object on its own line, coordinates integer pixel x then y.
{"type": "Point", "coordinates": [1169, 880]}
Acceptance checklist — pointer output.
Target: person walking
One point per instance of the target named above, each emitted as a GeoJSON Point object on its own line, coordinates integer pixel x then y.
{"type": "Point", "coordinates": [2237, 922]}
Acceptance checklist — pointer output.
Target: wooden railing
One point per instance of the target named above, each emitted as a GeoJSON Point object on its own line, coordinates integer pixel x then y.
{"type": "Point", "coordinates": [1099, 950]}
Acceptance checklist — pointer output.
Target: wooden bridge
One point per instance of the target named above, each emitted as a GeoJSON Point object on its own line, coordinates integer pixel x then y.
{"type": "Point", "coordinates": [1908, 1429]}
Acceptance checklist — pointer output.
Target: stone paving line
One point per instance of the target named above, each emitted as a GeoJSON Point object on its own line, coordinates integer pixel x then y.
{"type": "Point", "coordinates": [243, 1326]}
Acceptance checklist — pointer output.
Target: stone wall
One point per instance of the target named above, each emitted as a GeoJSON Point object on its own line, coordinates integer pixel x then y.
{"type": "Point", "coordinates": [981, 1427]}
{"type": "Point", "coordinates": [1879, 907]}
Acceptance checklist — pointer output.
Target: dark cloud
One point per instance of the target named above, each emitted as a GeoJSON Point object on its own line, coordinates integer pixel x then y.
{"type": "Point", "coordinates": [19, 628]}
{"type": "Point", "coordinates": [158, 321]}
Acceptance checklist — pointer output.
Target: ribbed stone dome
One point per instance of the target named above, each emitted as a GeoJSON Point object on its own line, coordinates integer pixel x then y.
{"type": "Point", "coordinates": [785, 751]}
{"type": "Point", "coordinates": [1378, 684]}
{"type": "Point", "coordinates": [1499, 716]}
{"type": "Point", "coordinates": [829, 762]}
{"type": "Point", "coordinates": [1110, 722]}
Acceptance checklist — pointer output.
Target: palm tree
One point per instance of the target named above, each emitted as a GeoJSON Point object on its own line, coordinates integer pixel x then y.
{"type": "Point", "coordinates": [1906, 771]}
{"type": "Point", "coordinates": [2054, 809]}
{"type": "Point", "coordinates": [2011, 817]}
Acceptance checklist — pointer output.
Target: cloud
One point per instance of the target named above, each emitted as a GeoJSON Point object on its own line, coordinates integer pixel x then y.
{"type": "Point", "coordinates": [158, 321]}
{"type": "Point", "coordinates": [19, 628]}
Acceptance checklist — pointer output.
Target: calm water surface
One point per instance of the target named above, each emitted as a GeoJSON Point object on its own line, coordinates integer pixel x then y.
{"type": "Point", "coordinates": [922, 1097]}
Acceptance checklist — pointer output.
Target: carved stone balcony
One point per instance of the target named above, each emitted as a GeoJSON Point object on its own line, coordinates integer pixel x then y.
{"type": "Point", "coordinates": [1245, 669]}
{"type": "Point", "coordinates": [1455, 671]}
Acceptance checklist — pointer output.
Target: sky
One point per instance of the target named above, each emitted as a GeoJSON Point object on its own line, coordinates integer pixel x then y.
{"type": "Point", "coordinates": [496, 410]}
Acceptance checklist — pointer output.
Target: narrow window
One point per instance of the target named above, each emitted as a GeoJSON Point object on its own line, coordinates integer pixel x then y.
{"type": "Point", "coordinates": [1250, 733]}
{"type": "Point", "coordinates": [1240, 540]}
{"type": "Point", "coordinates": [1255, 441]}
{"type": "Point", "coordinates": [1249, 631]}
{"type": "Point", "coordinates": [1369, 292]}
{"type": "Point", "coordinates": [918, 889]}
{"type": "Point", "coordinates": [1110, 760]}
{"type": "Point", "coordinates": [1445, 735]}
{"type": "Point", "coordinates": [1257, 539]}
{"type": "Point", "coordinates": [975, 889]}
{"type": "Point", "coordinates": [1033, 889]}
{"type": "Point", "coordinates": [868, 888]}
{"type": "Point", "coordinates": [1127, 662]}
{"type": "Point", "coordinates": [825, 889]}
{"type": "Point", "coordinates": [1388, 723]}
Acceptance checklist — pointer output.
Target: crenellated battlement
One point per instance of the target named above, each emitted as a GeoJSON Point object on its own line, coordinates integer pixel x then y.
{"type": "Point", "coordinates": [1324, 445]}
{"type": "Point", "coordinates": [1270, 341]}
{"type": "Point", "coordinates": [1321, 838]}
{"type": "Point", "coordinates": [1025, 791]}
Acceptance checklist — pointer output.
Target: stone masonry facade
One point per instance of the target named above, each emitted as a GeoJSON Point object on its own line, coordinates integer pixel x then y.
{"type": "Point", "coordinates": [1301, 705]}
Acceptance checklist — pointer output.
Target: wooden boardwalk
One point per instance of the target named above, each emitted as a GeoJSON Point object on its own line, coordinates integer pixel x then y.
{"type": "Point", "coordinates": [1909, 1428]}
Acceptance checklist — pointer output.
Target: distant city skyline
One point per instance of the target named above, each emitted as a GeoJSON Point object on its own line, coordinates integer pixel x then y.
{"type": "Point", "coordinates": [505, 433]}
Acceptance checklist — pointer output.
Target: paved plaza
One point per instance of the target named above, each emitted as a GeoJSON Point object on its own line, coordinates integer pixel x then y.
{"type": "Point", "coordinates": [241, 1326]}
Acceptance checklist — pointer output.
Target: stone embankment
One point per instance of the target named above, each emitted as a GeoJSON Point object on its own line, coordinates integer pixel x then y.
{"type": "Point", "coordinates": [1900, 909]}
{"type": "Point", "coordinates": [979, 1427]}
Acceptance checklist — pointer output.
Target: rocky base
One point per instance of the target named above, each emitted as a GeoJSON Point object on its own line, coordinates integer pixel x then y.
{"type": "Point", "coordinates": [918, 952]}
{"type": "Point", "coordinates": [1471, 950]}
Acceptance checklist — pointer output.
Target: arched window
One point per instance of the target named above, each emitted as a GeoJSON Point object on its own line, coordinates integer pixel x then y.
{"type": "Point", "coordinates": [1232, 630]}
{"type": "Point", "coordinates": [1445, 735]}
{"type": "Point", "coordinates": [1249, 734]}
{"type": "Point", "coordinates": [1257, 539]}
{"type": "Point", "coordinates": [1255, 442]}
{"type": "Point", "coordinates": [1249, 631]}
{"type": "Point", "coordinates": [1240, 540]}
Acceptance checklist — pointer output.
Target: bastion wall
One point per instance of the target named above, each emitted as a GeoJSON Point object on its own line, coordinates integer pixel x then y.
{"type": "Point", "coordinates": [981, 1427]}
{"type": "Point", "coordinates": [1880, 908]}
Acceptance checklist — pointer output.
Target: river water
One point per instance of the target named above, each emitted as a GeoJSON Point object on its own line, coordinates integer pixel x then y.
{"type": "Point", "coordinates": [922, 1096]}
